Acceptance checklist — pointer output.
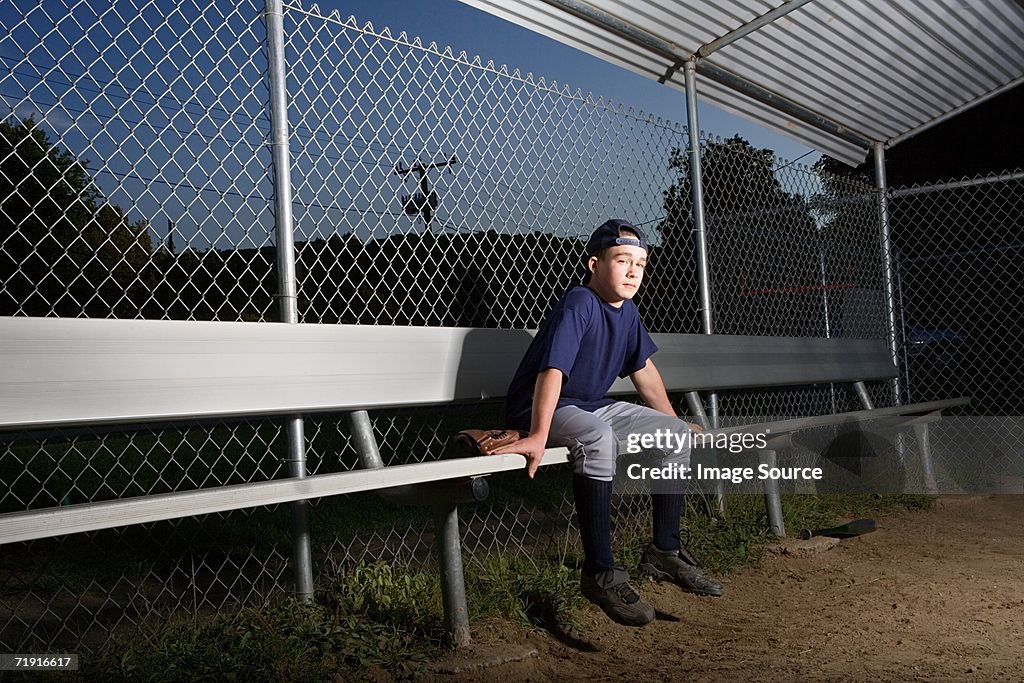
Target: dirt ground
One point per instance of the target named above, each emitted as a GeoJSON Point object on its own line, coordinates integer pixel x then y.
{"type": "Point", "coordinates": [930, 596]}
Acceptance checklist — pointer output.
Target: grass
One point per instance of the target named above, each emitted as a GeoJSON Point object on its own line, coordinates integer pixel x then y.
{"type": "Point", "coordinates": [373, 615]}
{"type": "Point", "coordinates": [286, 641]}
{"type": "Point", "coordinates": [530, 591]}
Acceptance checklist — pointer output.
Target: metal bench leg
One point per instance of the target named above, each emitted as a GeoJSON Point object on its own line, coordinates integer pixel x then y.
{"type": "Point", "coordinates": [302, 554]}
{"type": "Point", "coordinates": [924, 445]}
{"type": "Point", "coordinates": [453, 584]}
{"type": "Point", "coordinates": [447, 541]}
{"type": "Point", "coordinates": [364, 440]}
{"type": "Point", "coordinates": [865, 400]}
{"type": "Point", "coordinates": [772, 496]}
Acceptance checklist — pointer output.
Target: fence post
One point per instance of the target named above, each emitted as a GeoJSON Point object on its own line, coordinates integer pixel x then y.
{"type": "Point", "coordinates": [274, 15]}
{"type": "Point", "coordinates": [890, 296]}
{"type": "Point", "coordinates": [700, 235]}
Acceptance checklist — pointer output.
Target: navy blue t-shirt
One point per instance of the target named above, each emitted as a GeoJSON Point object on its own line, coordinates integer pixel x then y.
{"type": "Point", "coordinates": [591, 342]}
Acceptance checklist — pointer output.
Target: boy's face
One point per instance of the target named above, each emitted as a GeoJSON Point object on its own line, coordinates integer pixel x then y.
{"type": "Point", "coordinates": [617, 274]}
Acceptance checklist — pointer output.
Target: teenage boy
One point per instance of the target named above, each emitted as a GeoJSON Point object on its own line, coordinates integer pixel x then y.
{"type": "Point", "coordinates": [589, 338]}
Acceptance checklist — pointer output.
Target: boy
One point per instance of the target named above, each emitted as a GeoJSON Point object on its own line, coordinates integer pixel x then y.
{"type": "Point", "coordinates": [592, 336]}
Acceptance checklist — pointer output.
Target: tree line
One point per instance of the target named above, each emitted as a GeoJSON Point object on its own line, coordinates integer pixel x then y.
{"type": "Point", "coordinates": [67, 251]}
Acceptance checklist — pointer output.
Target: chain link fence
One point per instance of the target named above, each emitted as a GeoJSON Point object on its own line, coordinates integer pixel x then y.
{"type": "Point", "coordinates": [430, 188]}
{"type": "Point", "coordinates": [957, 250]}
{"type": "Point", "coordinates": [134, 183]}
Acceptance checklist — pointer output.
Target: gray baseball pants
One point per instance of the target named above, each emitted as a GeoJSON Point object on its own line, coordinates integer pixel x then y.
{"type": "Point", "coordinates": [593, 437]}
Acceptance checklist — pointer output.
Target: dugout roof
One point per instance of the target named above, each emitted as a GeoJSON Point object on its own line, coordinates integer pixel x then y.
{"type": "Point", "coordinates": [838, 75]}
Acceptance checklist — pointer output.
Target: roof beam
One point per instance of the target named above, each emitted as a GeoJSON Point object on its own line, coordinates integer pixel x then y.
{"type": "Point", "coordinates": [623, 29]}
{"type": "Point", "coordinates": [780, 103]}
{"type": "Point", "coordinates": [751, 26]}
{"type": "Point", "coordinates": [678, 57]}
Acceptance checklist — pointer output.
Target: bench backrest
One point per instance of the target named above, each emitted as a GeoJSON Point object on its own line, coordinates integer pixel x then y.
{"type": "Point", "coordinates": [693, 362]}
{"type": "Point", "coordinates": [59, 371]}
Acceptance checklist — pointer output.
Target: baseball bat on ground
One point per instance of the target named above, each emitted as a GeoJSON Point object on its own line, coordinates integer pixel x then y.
{"type": "Point", "coordinates": [848, 530]}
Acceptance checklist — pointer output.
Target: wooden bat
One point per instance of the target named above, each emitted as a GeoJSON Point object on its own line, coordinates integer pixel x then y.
{"type": "Point", "coordinates": [848, 530]}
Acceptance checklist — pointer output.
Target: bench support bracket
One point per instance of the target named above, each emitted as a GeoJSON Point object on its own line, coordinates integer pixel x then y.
{"type": "Point", "coordinates": [696, 407]}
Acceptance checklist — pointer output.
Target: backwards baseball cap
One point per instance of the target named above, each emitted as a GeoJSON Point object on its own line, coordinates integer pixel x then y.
{"type": "Point", "coordinates": [609, 234]}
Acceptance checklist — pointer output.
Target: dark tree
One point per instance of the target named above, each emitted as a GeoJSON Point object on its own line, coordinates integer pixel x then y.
{"type": "Point", "coordinates": [762, 245]}
{"type": "Point", "coordinates": [63, 249]}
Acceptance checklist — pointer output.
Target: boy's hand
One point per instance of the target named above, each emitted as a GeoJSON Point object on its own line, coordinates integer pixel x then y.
{"type": "Point", "coordinates": [531, 446]}
{"type": "Point", "coordinates": [695, 428]}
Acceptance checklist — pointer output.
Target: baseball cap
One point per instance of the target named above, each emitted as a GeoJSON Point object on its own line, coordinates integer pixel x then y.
{"type": "Point", "coordinates": [609, 234]}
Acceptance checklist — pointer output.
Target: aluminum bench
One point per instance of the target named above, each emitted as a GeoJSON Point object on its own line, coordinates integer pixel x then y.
{"type": "Point", "coordinates": [68, 373]}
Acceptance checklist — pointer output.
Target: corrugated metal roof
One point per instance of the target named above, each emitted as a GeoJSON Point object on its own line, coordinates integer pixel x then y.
{"type": "Point", "coordinates": [835, 74]}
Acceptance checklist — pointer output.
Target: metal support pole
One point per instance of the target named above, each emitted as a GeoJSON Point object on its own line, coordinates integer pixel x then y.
{"type": "Point", "coordinates": [697, 192]}
{"type": "Point", "coordinates": [863, 396]}
{"type": "Point", "coordinates": [866, 403]}
{"type": "Point", "coordinates": [890, 286]}
{"type": "Point", "coordinates": [302, 553]}
{"type": "Point", "coordinates": [697, 409]}
{"type": "Point", "coordinates": [924, 444]}
{"type": "Point", "coordinates": [700, 231]}
{"type": "Point", "coordinates": [890, 295]}
{"type": "Point", "coordinates": [773, 495]}
{"type": "Point", "coordinates": [826, 312]}
{"type": "Point", "coordinates": [274, 17]}
{"type": "Point", "coordinates": [453, 584]}
{"type": "Point", "coordinates": [908, 392]}
{"type": "Point", "coordinates": [751, 26]}
{"type": "Point", "coordinates": [364, 440]}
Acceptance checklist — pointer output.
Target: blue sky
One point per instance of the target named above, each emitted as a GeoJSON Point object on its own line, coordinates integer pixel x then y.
{"type": "Point", "coordinates": [167, 101]}
{"type": "Point", "coordinates": [455, 24]}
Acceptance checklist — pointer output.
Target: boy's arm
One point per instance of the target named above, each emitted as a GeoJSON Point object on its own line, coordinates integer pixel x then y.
{"type": "Point", "coordinates": [545, 397]}
{"type": "Point", "coordinates": [651, 388]}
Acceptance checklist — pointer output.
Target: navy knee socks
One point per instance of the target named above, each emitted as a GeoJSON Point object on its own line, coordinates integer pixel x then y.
{"type": "Point", "coordinates": [594, 518]}
{"type": "Point", "coordinates": [666, 509]}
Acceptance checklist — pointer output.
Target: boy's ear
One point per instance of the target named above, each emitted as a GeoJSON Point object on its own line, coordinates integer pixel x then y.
{"type": "Point", "coordinates": [592, 263]}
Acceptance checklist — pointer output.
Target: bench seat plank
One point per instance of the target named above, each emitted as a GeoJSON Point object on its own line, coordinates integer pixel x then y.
{"type": "Point", "coordinates": [68, 519]}
{"type": "Point", "coordinates": [32, 524]}
{"type": "Point", "coordinates": [790, 425]}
